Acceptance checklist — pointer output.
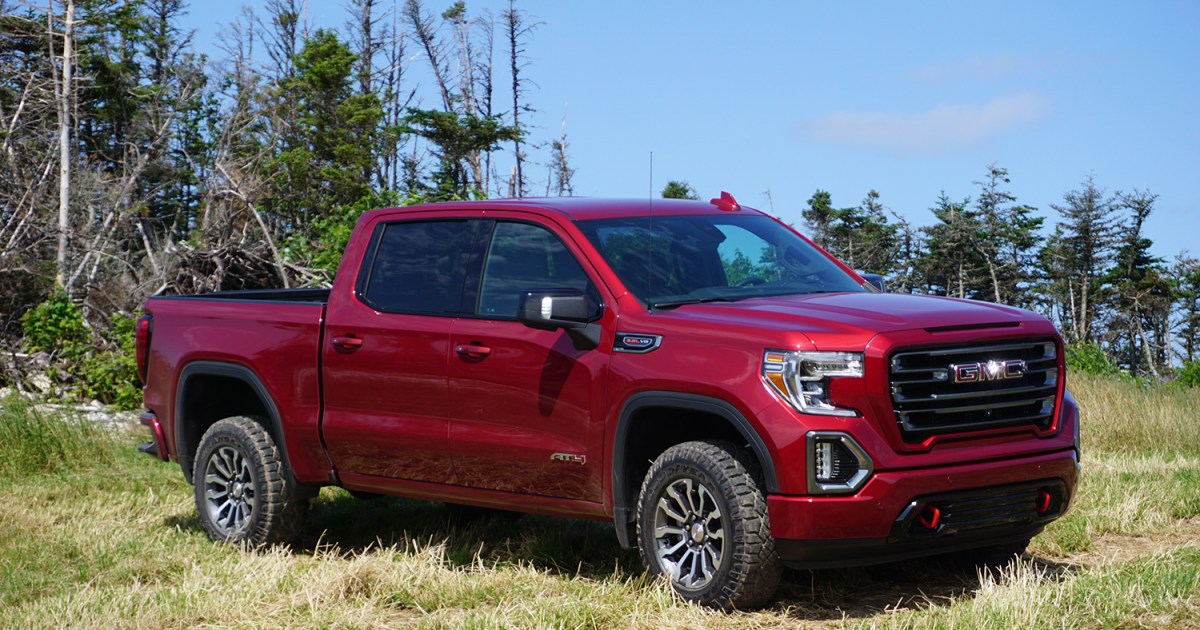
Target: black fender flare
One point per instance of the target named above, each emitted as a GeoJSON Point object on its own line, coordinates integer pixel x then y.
{"type": "Point", "coordinates": [677, 400]}
{"type": "Point", "coordinates": [227, 370]}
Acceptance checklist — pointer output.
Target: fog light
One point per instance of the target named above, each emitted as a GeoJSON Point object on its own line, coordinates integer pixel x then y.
{"type": "Point", "coordinates": [837, 464]}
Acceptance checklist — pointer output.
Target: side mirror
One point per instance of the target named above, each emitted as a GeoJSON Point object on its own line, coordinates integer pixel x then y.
{"type": "Point", "coordinates": [874, 280]}
{"type": "Point", "coordinates": [552, 309]}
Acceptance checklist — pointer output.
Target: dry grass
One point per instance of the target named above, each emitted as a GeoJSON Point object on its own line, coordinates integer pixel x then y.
{"type": "Point", "coordinates": [1121, 416]}
{"type": "Point", "coordinates": [112, 540]}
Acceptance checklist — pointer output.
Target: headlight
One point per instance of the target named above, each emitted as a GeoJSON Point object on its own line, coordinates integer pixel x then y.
{"type": "Point", "coordinates": [802, 378]}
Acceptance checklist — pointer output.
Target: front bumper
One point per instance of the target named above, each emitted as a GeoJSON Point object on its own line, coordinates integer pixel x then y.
{"type": "Point", "coordinates": [983, 504]}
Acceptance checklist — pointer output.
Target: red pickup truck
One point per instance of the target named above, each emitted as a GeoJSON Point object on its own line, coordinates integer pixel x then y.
{"type": "Point", "coordinates": [730, 396]}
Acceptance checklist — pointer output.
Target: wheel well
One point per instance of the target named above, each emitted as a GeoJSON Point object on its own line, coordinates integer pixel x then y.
{"type": "Point", "coordinates": [652, 430]}
{"type": "Point", "coordinates": [207, 398]}
{"type": "Point", "coordinates": [653, 421]}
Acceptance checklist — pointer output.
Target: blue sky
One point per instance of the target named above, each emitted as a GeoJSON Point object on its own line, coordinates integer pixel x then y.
{"type": "Point", "coordinates": [909, 99]}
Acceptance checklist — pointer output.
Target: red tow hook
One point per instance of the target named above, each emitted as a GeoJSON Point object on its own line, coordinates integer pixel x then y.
{"type": "Point", "coordinates": [1043, 501]}
{"type": "Point", "coordinates": [930, 517]}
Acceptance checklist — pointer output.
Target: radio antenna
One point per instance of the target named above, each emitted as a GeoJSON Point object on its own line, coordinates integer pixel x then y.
{"type": "Point", "coordinates": [650, 240]}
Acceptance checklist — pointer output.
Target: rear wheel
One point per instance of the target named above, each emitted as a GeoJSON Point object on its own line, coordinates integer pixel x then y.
{"type": "Point", "coordinates": [702, 523]}
{"type": "Point", "coordinates": [243, 490]}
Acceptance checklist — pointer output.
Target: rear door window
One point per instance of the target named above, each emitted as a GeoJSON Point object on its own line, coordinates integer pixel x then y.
{"type": "Point", "coordinates": [418, 267]}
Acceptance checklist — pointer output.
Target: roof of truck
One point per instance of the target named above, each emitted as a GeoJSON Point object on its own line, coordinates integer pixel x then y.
{"type": "Point", "coordinates": [582, 208]}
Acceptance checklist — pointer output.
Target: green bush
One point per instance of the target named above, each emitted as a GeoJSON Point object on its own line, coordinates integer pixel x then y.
{"type": "Point", "coordinates": [55, 325]}
{"type": "Point", "coordinates": [322, 244]}
{"type": "Point", "coordinates": [1089, 358]}
{"type": "Point", "coordinates": [86, 363]}
{"type": "Point", "coordinates": [111, 376]}
{"type": "Point", "coordinates": [1189, 374]}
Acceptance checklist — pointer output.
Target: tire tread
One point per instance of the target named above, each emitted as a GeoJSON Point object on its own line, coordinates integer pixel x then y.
{"type": "Point", "coordinates": [756, 570]}
{"type": "Point", "coordinates": [279, 516]}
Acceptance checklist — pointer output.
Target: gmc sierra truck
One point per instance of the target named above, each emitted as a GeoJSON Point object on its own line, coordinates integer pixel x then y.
{"type": "Point", "coordinates": [725, 392]}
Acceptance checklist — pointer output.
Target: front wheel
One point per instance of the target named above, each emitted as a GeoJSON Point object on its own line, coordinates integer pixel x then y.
{"type": "Point", "coordinates": [243, 489]}
{"type": "Point", "coordinates": [702, 523]}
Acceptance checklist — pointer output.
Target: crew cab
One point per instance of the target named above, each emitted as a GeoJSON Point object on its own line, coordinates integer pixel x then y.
{"type": "Point", "coordinates": [728, 395]}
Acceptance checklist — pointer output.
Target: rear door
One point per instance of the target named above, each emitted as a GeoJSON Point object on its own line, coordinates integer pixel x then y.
{"type": "Point", "coordinates": [526, 405]}
{"type": "Point", "coordinates": [386, 346]}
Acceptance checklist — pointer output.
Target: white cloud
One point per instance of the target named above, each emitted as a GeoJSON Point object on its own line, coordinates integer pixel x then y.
{"type": "Point", "coordinates": [945, 127]}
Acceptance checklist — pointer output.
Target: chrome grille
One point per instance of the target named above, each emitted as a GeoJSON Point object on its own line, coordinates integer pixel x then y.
{"type": "Point", "coordinates": [963, 388]}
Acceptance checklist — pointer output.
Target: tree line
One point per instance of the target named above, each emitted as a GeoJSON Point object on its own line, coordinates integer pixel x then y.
{"type": "Point", "coordinates": [132, 165]}
{"type": "Point", "coordinates": [1092, 272]}
{"type": "Point", "coordinates": [1120, 308]}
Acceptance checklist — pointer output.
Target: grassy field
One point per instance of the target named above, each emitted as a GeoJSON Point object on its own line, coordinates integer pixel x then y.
{"type": "Point", "coordinates": [93, 534]}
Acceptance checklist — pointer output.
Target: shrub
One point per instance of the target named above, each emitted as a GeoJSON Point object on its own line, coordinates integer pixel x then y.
{"type": "Point", "coordinates": [1089, 358]}
{"type": "Point", "coordinates": [86, 363]}
{"type": "Point", "coordinates": [55, 325]}
{"type": "Point", "coordinates": [1189, 374]}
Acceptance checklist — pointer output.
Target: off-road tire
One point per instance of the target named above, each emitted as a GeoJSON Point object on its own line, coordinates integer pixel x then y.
{"type": "Point", "coordinates": [242, 487]}
{"type": "Point", "coordinates": [738, 538]}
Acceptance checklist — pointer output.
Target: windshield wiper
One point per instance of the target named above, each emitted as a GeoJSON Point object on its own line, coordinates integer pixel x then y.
{"type": "Point", "coordinates": [704, 300]}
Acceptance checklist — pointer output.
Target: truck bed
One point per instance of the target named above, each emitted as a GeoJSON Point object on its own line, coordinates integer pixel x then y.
{"type": "Point", "coordinates": [305, 295]}
{"type": "Point", "coordinates": [274, 334]}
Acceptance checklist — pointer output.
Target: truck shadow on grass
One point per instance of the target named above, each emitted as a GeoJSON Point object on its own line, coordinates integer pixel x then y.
{"type": "Point", "coordinates": [589, 549]}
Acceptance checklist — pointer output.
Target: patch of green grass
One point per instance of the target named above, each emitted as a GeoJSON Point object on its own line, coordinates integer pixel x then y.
{"type": "Point", "coordinates": [33, 442]}
{"type": "Point", "coordinates": [1125, 494]}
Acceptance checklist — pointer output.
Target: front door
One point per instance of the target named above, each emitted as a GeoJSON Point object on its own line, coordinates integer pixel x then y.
{"type": "Point", "coordinates": [526, 406]}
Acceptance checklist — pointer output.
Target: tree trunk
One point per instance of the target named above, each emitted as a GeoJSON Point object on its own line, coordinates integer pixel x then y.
{"type": "Point", "coordinates": [64, 140]}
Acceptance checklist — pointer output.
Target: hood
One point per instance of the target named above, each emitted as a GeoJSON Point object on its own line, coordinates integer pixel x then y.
{"type": "Point", "coordinates": [840, 320]}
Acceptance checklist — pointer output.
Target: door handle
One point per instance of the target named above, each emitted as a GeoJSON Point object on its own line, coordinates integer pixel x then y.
{"type": "Point", "coordinates": [347, 344]}
{"type": "Point", "coordinates": [472, 350]}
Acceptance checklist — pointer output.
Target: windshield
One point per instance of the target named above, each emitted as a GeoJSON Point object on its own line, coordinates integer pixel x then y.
{"type": "Point", "coordinates": [712, 258]}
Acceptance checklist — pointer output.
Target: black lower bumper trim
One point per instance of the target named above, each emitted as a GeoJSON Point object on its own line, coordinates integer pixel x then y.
{"type": "Point", "coordinates": [149, 448]}
{"type": "Point", "coordinates": [856, 552]}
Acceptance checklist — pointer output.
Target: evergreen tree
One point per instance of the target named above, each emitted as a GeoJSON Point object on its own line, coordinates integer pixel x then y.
{"type": "Point", "coordinates": [1006, 240]}
{"type": "Point", "coordinates": [1076, 257]}
{"type": "Point", "coordinates": [1185, 276]}
{"type": "Point", "coordinates": [952, 264]}
{"type": "Point", "coordinates": [819, 219]}
{"type": "Point", "coordinates": [1139, 326]}
{"type": "Point", "coordinates": [679, 189]}
{"type": "Point", "coordinates": [866, 238]}
{"type": "Point", "coordinates": [338, 128]}
{"type": "Point", "coordinates": [455, 138]}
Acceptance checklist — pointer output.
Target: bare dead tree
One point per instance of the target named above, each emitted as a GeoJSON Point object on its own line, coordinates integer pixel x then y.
{"type": "Point", "coordinates": [63, 96]}
{"type": "Point", "coordinates": [425, 33]}
{"type": "Point", "coordinates": [561, 171]}
{"type": "Point", "coordinates": [395, 102]}
{"type": "Point", "coordinates": [283, 34]}
{"type": "Point", "coordinates": [482, 63]}
{"type": "Point", "coordinates": [516, 30]}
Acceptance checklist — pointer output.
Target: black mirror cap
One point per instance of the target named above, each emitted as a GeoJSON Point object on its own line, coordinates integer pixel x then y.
{"type": "Point", "coordinates": [552, 309]}
{"type": "Point", "coordinates": [874, 280]}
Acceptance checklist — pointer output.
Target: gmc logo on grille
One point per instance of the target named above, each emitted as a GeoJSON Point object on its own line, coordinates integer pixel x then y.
{"type": "Point", "coordinates": [990, 371]}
